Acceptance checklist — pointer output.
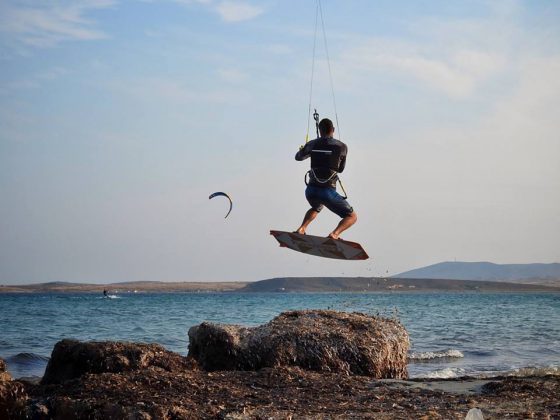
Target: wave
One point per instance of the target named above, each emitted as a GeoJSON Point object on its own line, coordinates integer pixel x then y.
{"type": "Point", "coordinates": [27, 358]}
{"type": "Point", "coordinates": [525, 372]}
{"type": "Point", "coordinates": [25, 365]}
{"type": "Point", "coordinates": [446, 373]}
{"type": "Point", "coordinates": [449, 373]}
{"type": "Point", "coordinates": [482, 353]}
{"type": "Point", "coordinates": [435, 355]}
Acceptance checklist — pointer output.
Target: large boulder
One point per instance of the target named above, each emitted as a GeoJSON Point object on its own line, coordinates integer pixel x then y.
{"type": "Point", "coordinates": [13, 397]}
{"type": "Point", "coordinates": [324, 341]}
{"type": "Point", "coordinates": [71, 359]}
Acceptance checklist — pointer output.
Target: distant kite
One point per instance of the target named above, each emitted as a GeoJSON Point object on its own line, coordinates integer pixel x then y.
{"type": "Point", "coordinates": [216, 194]}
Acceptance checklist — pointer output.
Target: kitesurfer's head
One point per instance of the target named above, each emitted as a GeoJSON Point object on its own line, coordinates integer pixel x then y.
{"type": "Point", "coordinates": [326, 127]}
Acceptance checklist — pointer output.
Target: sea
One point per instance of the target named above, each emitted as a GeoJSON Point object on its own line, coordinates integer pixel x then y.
{"type": "Point", "coordinates": [452, 334]}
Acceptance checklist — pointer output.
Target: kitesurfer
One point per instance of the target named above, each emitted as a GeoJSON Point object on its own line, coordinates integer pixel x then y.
{"type": "Point", "coordinates": [328, 159]}
{"type": "Point", "coordinates": [105, 294]}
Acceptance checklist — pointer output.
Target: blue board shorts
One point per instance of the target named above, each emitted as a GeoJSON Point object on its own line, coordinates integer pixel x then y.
{"type": "Point", "coordinates": [319, 197]}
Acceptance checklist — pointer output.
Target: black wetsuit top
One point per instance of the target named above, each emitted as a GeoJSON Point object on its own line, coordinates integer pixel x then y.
{"type": "Point", "coordinates": [328, 158]}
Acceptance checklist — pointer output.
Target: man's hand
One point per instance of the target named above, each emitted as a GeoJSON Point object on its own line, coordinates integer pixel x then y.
{"type": "Point", "coordinates": [301, 147]}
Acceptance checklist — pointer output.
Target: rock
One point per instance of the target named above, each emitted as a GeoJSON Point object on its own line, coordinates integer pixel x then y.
{"type": "Point", "coordinates": [38, 411]}
{"type": "Point", "coordinates": [323, 341]}
{"type": "Point", "coordinates": [71, 359]}
{"type": "Point", "coordinates": [4, 375]}
{"type": "Point", "coordinates": [13, 397]}
{"type": "Point", "coordinates": [220, 347]}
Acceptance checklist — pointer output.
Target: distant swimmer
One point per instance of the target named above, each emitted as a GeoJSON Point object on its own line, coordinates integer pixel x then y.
{"type": "Point", "coordinates": [328, 159]}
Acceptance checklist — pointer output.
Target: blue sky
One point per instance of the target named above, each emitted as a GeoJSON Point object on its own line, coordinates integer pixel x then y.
{"type": "Point", "coordinates": [119, 118]}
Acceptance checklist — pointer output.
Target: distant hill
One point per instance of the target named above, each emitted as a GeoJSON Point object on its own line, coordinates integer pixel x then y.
{"type": "Point", "coordinates": [126, 287]}
{"type": "Point", "coordinates": [518, 273]}
{"type": "Point", "coordinates": [378, 284]}
{"type": "Point", "coordinates": [288, 284]}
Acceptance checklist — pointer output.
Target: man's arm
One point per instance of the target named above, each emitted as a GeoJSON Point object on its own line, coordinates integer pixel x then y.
{"type": "Point", "coordinates": [305, 151]}
{"type": "Point", "coordinates": [342, 164]}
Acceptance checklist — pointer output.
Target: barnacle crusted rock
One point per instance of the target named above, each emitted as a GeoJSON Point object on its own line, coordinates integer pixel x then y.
{"type": "Point", "coordinates": [318, 340]}
{"type": "Point", "coordinates": [71, 359]}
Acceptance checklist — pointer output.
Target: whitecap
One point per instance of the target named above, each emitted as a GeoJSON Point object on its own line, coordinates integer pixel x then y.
{"type": "Point", "coordinates": [434, 355]}
{"type": "Point", "coordinates": [526, 371]}
{"type": "Point", "coordinates": [443, 373]}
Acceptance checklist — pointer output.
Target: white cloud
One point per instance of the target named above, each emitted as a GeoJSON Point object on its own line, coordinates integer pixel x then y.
{"type": "Point", "coordinates": [455, 73]}
{"type": "Point", "coordinates": [229, 10]}
{"type": "Point", "coordinates": [233, 11]}
{"type": "Point", "coordinates": [456, 57]}
{"type": "Point", "coordinates": [47, 24]}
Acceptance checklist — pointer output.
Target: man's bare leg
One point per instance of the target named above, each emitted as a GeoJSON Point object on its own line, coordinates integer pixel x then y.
{"type": "Point", "coordinates": [309, 217]}
{"type": "Point", "coordinates": [344, 224]}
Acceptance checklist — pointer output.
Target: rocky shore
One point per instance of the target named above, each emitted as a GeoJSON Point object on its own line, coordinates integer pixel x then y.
{"type": "Point", "coordinates": [305, 364]}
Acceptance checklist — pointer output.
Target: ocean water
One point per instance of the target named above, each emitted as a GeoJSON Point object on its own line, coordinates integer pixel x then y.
{"type": "Point", "coordinates": [452, 334]}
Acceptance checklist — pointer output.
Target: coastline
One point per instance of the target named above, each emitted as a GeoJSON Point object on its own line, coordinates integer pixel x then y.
{"type": "Point", "coordinates": [187, 392]}
{"type": "Point", "coordinates": [289, 285]}
{"type": "Point", "coordinates": [125, 287]}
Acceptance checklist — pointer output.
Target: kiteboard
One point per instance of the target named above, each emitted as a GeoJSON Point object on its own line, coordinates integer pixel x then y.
{"type": "Point", "coordinates": [320, 246]}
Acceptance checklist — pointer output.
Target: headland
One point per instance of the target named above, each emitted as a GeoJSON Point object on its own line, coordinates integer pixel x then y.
{"type": "Point", "coordinates": [289, 285]}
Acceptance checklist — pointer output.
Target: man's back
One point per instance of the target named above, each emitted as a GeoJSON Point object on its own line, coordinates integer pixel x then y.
{"type": "Point", "coordinates": [328, 157]}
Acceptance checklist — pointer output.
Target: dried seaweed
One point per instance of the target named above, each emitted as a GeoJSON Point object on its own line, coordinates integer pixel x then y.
{"type": "Point", "coordinates": [319, 340]}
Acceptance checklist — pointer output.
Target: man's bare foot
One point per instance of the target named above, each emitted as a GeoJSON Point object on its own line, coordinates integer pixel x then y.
{"type": "Point", "coordinates": [343, 225]}
{"type": "Point", "coordinates": [310, 215]}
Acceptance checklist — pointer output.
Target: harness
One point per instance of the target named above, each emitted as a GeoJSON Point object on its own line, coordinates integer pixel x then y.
{"type": "Point", "coordinates": [324, 181]}
{"type": "Point", "coordinates": [326, 151]}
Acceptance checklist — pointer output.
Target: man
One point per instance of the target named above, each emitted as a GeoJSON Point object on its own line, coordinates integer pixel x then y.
{"type": "Point", "coordinates": [328, 159]}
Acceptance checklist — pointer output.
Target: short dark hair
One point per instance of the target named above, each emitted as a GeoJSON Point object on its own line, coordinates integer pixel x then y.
{"type": "Point", "coordinates": [326, 127]}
